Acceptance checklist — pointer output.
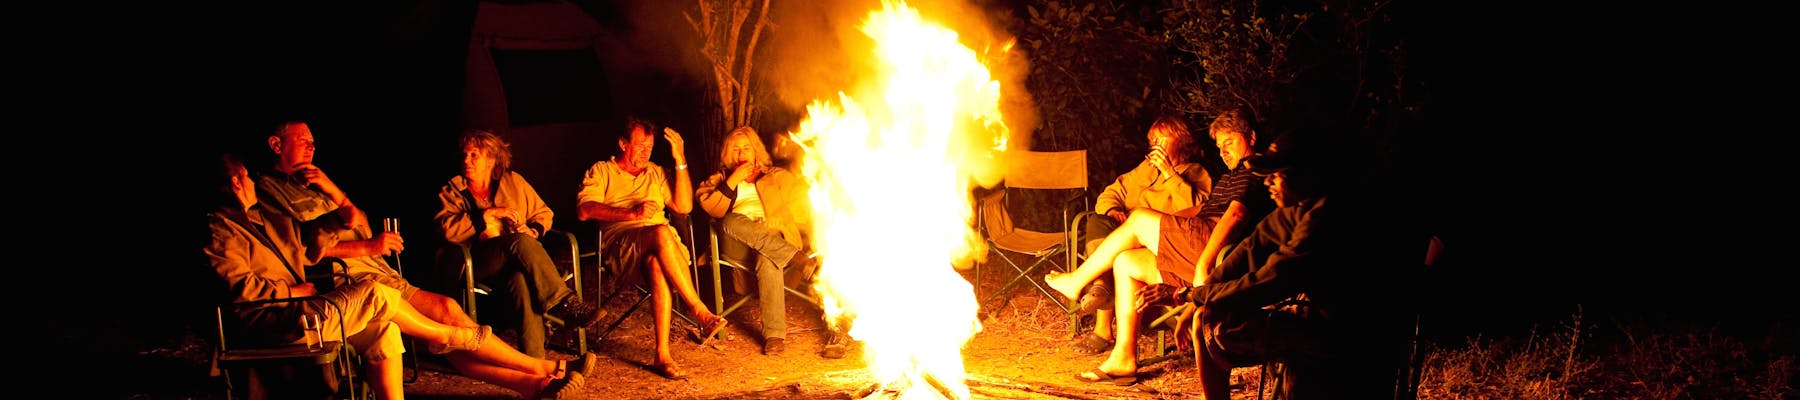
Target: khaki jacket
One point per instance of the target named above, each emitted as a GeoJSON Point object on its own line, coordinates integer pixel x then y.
{"type": "Point", "coordinates": [786, 207]}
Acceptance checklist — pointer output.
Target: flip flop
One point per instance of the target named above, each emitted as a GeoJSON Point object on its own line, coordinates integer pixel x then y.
{"type": "Point", "coordinates": [1101, 377]}
{"type": "Point", "coordinates": [669, 372]}
{"type": "Point", "coordinates": [1091, 344]}
{"type": "Point", "coordinates": [708, 332]}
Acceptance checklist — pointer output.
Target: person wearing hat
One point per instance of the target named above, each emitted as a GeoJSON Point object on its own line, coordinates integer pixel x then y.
{"type": "Point", "coordinates": [1342, 253]}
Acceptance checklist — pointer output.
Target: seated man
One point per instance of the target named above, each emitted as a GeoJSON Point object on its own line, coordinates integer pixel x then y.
{"type": "Point", "coordinates": [764, 207]}
{"type": "Point", "coordinates": [1166, 182]}
{"type": "Point", "coordinates": [1181, 247]}
{"type": "Point", "coordinates": [626, 195]}
{"type": "Point", "coordinates": [302, 191]}
{"type": "Point", "coordinates": [1346, 253]}
{"type": "Point", "coordinates": [260, 254]}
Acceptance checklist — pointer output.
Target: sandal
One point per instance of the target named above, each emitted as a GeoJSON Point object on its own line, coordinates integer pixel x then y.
{"type": "Point", "coordinates": [1091, 344]}
{"type": "Point", "coordinates": [1101, 377]}
{"type": "Point", "coordinates": [708, 330]}
{"type": "Point", "coordinates": [669, 371]}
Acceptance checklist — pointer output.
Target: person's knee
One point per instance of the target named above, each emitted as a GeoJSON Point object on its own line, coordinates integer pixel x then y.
{"type": "Point", "coordinates": [1142, 216]}
{"type": "Point", "coordinates": [381, 341]}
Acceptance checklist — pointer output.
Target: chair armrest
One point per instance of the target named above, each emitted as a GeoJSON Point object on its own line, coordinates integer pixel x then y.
{"type": "Point", "coordinates": [574, 256]}
{"type": "Point", "coordinates": [219, 313]}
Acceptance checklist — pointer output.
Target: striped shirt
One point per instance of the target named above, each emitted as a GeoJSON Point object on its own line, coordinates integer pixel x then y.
{"type": "Point", "coordinates": [1242, 186]}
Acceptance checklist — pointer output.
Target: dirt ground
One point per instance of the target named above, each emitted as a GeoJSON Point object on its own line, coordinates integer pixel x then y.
{"type": "Point", "coordinates": [1022, 352]}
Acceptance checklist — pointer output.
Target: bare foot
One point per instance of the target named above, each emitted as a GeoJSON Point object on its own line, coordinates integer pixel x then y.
{"type": "Point", "coordinates": [1063, 283]}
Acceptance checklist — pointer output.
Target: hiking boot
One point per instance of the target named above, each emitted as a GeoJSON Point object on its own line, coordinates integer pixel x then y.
{"type": "Point", "coordinates": [836, 346]}
{"type": "Point", "coordinates": [774, 346]}
{"type": "Point", "coordinates": [577, 314]}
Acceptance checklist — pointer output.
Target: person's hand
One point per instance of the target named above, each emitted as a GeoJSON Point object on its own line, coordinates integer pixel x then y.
{"type": "Point", "coordinates": [1185, 294]}
{"type": "Point", "coordinates": [677, 146]}
{"type": "Point", "coordinates": [648, 209]}
{"type": "Point", "coordinates": [1155, 295]}
{"type": "Point", "coordinates": [388, 243]}
{"type": "Point", "coordinates": [316, 177]}
{"type": "Point", "coordinates": [1117, 215]}
{"type": "Point", "coordinates": [1159, 158]}
{"type": "Point", "coordinates": [744, 172]}
{"type": "Point", "coordinates": [302, 290]}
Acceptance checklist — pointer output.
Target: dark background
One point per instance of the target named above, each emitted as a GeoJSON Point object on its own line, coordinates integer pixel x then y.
{"type": "Point", "coordinates": [1577, 171]}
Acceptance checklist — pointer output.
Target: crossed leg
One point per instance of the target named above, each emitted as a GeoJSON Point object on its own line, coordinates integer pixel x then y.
{"type": "Point", "coordinates": [1141, 230]}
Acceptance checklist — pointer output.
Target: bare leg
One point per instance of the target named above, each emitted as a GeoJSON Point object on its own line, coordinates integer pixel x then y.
{"type": "Point", "coordinates": [387, 383]}
{"type": "Point", "coordinates": [446, 310]}
{"type": "Point", "coordinates": [1215, 376]}
{"type": "Point", "coordinates": [1141, 230]}
{"type": "Point", "coordinates": [1103, 324]}
{"type": "Point", "coordinates": [670, 252]}
{"type": "Point", "coordinates": [1134, 270]}
{"type": "Point", "coordinates": [493, 351]}
{"type": "Point", "coordinates": [663, 305]}
{"type": "Point", "coordinates": [523, 382]}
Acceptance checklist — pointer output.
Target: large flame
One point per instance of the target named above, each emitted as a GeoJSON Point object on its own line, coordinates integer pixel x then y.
{"type": "Point", "coordinates": [891, 171]}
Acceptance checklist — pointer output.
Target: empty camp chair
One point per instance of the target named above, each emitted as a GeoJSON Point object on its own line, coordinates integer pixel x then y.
{"type": "Point", "coordinates": [1057, 173]}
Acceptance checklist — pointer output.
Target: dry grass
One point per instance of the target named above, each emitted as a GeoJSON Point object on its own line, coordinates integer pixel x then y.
{"type": "Point", "coordinates": [1629, 361]}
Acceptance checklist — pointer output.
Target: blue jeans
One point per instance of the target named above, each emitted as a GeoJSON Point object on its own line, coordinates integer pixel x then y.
{"type": "Point", "coordinates": [773, 255]}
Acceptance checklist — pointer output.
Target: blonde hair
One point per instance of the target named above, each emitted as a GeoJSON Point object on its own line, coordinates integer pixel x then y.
{"type": "Point", "coordinates": [728, 159]}
{"type": "Point", "coordinates": [493, 145]}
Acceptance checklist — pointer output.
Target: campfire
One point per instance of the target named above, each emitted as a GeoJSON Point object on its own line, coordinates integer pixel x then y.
{"type": "Point", "coordinates": [891, 166]}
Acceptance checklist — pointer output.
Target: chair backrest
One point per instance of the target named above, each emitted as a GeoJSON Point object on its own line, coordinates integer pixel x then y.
{"type": "Point", "coordinates": [1046, 169]}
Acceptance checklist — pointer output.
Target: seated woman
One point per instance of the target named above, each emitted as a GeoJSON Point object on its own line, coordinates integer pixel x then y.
{"type": "Point", "coordinates": [259, 254]}
{"type": "Point", "coordinates": [765, 208]}
{"type": "Point", "coordinates": [499, 216]}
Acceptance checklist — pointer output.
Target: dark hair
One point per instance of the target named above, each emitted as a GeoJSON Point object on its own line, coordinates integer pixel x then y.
{"type": "Point", "coordinates": [634, 122]}
{"type": "Point", "coordinates": [228, 167]}
{"type": "Point", "coordinates": [1176, 128]}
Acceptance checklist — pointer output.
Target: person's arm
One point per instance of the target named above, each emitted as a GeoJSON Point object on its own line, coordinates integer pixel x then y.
{"type": "Point", "coordinates": [715, 196]}
{"type": "Point", "coordinates": [538, 215]}
{"type": "Point", "coordinates": [1297, 251]}
{"type": "Point", "coordinates": [229, 254]}
{"type": "Point", "coordinates": [595, 192]}
{"type": "Point", "coordinates": [682, 201]}
{"type": "Point", "coordinates": [1234, 215]}
{"type": "Point", "coordinates": [453, 217]}
{"type": "Point", "coordinates": [1111, 201]}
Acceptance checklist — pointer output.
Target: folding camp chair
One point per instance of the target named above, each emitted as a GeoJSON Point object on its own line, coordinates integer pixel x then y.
{"type": "Point", "coordinates": [730, 253]}
{"type": "Point", "coordinates": [639, 293]}
{"type": "Point", "coordinates": [554, 241]}
{"type": "Point", "coordinates": [1025, 171]}
{"type": "Point", "coordinates": [322, 367]}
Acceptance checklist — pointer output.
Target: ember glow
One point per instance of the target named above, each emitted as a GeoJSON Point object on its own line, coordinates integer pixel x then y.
{"type": "Point", "coordinates": [891, 168]}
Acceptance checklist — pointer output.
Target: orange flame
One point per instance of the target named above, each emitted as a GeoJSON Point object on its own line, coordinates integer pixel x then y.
{"type": "Point", "coordinates": [891, 172]}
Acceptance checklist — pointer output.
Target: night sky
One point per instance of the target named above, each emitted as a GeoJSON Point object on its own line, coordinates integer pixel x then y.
{"type": "Point", "coordinates": [1566, 178]}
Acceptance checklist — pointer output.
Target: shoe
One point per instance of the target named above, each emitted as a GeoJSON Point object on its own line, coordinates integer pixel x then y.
{"type": "Point", "coordinates": [1091, 344]}
{"type": "Point", "coordinates": [1097, 296]}
{"type": "Point", "coordinates": [563, 388]}
{"type": "Point", "coordinates": [774, 346]}
{"type": "Point", "coordinates": [583, 365]}
{"type": "Point", "coordinates": [836, 346]}
{"type": "Point", "coordinates": [578, 314]}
